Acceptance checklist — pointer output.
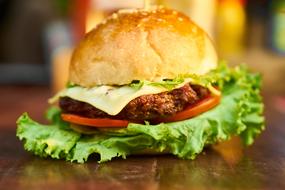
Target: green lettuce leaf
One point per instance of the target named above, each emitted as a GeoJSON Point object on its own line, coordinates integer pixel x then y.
{"type": "Point", "coordinates": [239, 113]}
{"type": "Point", "coordinates": [45, 140]}
{"type": "Point", "coordinates": [170, 84]}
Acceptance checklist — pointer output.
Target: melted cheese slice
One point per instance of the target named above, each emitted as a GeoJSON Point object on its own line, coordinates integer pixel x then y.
{"type": "Point", "coordinates": [109, 99]}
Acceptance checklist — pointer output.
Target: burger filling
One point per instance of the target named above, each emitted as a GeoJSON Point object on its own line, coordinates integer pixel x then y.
{"type": "Point", "coordinates": [143, 108]}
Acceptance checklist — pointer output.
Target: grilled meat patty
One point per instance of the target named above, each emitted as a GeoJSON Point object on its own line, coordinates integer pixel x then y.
{"type": "Point", "coordinates": [143, 108]}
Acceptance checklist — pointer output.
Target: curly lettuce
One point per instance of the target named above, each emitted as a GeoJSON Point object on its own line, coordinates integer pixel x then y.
{"type": "Point", "coordinates": [239, 113]}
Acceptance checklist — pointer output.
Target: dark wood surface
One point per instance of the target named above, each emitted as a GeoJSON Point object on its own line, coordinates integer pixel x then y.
{"type": "Point", "coordinates": [226, 166]}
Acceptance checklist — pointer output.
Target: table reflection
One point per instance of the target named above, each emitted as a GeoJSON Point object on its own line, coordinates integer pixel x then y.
{"type": "Point", "coordinates": [213, 169]}
{"type": "Point", "coordinates": [231, 150]}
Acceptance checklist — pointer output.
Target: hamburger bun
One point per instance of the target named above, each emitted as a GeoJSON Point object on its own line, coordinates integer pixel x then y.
{"type": "Point", "coordinates": [141, 45]}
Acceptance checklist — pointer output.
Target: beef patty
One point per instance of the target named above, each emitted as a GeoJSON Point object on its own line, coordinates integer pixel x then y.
{"type": "Point", "coordinates": [143, 108]}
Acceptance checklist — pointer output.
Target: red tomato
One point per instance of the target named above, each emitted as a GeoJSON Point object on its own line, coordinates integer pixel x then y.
{"type": "Point", "coordinates": [97, 122]}
{"type": "Point", "coordinates": [193, 110]}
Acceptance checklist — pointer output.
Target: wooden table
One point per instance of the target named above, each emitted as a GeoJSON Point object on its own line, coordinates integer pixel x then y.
{"type": "Point", "coordinates": [261, 166]}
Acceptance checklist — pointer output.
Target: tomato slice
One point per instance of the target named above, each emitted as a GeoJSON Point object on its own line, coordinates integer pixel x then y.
{"type": "Point", "coordinates": [98, 122]}
{"type": "Point", "coordinates": [193, 110]}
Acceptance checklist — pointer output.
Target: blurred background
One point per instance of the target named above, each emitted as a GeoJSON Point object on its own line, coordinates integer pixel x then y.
{"type": "Point", "coordinates": [37, 36]}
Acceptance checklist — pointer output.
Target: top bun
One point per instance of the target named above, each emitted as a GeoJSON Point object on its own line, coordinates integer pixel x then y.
{"type": "Point", "coordinates": [141, 45]}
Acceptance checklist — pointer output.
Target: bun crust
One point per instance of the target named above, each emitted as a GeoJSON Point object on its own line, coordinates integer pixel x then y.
{"type": "Point", "coordinates": [141, 45]}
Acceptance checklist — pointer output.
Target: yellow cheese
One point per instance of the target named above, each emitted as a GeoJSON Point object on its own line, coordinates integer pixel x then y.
{"type": "Point", "coordinates": [110, 99]}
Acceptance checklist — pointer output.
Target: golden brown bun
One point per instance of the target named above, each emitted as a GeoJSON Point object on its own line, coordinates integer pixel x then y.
{"type": "Point", "coordinates": [141, 45]}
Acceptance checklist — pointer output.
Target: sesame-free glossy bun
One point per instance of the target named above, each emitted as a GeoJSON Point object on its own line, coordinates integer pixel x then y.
{"type": "Point", "coordinates": [141, 45]}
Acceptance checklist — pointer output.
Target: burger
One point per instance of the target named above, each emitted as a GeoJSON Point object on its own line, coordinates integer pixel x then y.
{"type": "Point", "coordinates": [146, 82]}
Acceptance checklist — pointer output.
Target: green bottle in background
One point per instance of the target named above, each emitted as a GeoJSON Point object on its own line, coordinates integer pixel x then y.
{"type": "Point", "coordinates": [278, 26]}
